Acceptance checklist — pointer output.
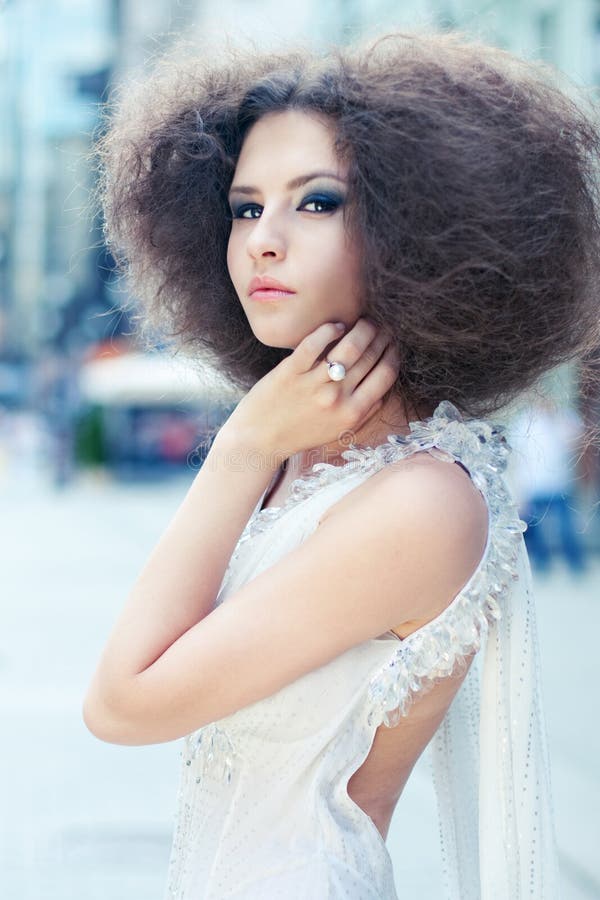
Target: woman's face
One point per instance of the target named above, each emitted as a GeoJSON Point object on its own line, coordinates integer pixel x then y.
{"type": "Point", "coordinates": [287, 198]}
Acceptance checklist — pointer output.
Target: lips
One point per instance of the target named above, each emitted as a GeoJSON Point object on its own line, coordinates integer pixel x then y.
{"type": "Point", "coordinates": [265, 284]}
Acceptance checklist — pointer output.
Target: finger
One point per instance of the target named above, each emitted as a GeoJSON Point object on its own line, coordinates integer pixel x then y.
{"type": "Point", "coordinates": [378, 381]}
{"type": "Point", "coordinates": [354, 345]}
{"type": "Point", "coordinates": [369, 358]}
{"type": "Point", "coordinates": [313, 346]}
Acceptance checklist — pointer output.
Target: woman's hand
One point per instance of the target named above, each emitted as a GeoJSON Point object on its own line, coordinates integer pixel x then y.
{"type": "Point", "coordinates": [296, 406]}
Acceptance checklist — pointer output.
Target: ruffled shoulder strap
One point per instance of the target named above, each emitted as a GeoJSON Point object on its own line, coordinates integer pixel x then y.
{"type": "Point", "coordinates": [441, 647]}
{"type": "Point", "coordinates": [480, 445]}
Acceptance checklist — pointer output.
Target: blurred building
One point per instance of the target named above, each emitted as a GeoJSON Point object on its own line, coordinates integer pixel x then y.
{"type": "Point", "coordinates": [48, 115]}
{"type": "Point", "coordinates": [563, 32]}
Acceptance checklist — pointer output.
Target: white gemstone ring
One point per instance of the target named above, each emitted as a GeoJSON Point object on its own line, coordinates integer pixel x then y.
{"type": "Point", "coordinates": [336, 371]}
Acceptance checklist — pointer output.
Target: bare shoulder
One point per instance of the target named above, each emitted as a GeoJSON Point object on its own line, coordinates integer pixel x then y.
{"type": "Point", "coordinates": [436, 520]}
{"type": "Point", "coordinates": [420, 485]}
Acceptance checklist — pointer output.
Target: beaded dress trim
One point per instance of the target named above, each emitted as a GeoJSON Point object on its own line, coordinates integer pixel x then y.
{"type": "Point", "coordinates": [476, 443]}
{"type": "Point", "coordinates": [442, 646]}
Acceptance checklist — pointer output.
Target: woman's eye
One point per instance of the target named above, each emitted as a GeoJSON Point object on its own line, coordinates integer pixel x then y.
{"type": "Point", "coordinates": [321, 204]}
{"type": "Point", "coordinates": [240, 212]}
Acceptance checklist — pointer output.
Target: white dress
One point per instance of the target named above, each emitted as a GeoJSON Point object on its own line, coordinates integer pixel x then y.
{"type": "Point", "coordinates": [263, 811]}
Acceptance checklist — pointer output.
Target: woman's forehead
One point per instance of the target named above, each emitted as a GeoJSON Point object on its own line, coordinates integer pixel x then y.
{"type": "Point", "coordinates": [292, 141]}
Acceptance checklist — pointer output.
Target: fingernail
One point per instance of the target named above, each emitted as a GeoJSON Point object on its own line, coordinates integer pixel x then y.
{"type": "Point", "coordinates": [340, 326]}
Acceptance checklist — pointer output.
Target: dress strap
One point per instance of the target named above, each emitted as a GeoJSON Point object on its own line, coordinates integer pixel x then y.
{"type": "Point", "coordinates": [442, 646]}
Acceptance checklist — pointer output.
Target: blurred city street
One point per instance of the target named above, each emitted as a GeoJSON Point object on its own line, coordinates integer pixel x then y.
{"type": "Point", "coordinates": [85, 820]}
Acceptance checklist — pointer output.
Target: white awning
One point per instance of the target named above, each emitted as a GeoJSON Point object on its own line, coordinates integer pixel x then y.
{"type": "Point", "coordinates": [148, 379]}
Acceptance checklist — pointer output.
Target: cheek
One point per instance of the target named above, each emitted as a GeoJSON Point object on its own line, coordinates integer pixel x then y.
{"type": "Point", "coordinates": [343, 267]}
{"type": "Point", "coordinates": [233, 256]}
{"type": "Point", "coordinates": [327, 251]}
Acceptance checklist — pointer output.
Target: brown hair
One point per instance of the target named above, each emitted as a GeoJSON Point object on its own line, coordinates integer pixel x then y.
{"type": "Point", "coordinates": [472, 193]}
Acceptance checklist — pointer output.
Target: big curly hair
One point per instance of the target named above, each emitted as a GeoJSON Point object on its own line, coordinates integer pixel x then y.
{"type": "Point", "coordinates": [473, 195]}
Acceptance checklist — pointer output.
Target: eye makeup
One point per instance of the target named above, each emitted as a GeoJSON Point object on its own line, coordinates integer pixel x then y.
{"type": "Point", "coordinates": [329, 201]}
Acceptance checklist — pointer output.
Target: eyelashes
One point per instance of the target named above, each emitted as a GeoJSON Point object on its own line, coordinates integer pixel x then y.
{"type": "Point", "coordinates": [325, 203]}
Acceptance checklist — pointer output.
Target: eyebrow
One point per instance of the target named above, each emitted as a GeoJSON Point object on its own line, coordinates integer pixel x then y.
{"type": "Point", "coordinates": [294, 183]}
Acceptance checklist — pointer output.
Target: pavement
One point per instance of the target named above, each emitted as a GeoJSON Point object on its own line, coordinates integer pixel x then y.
{"type": "Point", "coordinates": [84, 820]}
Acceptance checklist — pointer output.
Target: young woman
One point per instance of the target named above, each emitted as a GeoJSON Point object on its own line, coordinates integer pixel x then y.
{"type": "Point", "coordinates": [312, 616]}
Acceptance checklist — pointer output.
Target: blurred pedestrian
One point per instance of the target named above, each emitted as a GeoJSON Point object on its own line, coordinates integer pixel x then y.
{"type": "Point", "coordinates": [546, 440]}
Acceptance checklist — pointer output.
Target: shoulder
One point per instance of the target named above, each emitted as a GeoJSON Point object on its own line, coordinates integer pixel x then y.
{"type": "Point", "coordinates": [421, 487]}
{"type": "Point", "coordinates": [424, 520]}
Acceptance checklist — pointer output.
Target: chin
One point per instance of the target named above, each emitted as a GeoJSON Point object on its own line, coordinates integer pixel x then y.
{"type": "Point", "coordinates": [278, 336]}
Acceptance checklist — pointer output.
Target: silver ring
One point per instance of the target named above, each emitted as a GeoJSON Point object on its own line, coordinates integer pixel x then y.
{"type": "Point", "coordinates": [336, 371]}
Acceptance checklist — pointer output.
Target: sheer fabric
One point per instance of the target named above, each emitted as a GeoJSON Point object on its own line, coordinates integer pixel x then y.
{"type": "Point", "coordinates": [263, 810]}
{"type": "Point", "coordinates": [491, 767]}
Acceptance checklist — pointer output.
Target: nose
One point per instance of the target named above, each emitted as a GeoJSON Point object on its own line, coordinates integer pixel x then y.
{"type": "Point", "coordinates": [266, 239]}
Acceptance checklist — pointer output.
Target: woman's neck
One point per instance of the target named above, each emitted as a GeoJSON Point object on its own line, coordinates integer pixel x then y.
{"type": "Point", "coordinates": [390, 419]}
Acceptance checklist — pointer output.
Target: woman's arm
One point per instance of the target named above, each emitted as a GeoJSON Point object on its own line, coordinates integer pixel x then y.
{"type": "Point", "coordinates": [178, 585]}
{"type": "Point", "coordinates": [293, 407]}
{"type": "Point", "coordinates": [398, 548]}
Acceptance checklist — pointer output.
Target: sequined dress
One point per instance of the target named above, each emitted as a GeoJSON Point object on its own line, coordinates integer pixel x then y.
{"type": "Point", "coordinates": [263, 811]}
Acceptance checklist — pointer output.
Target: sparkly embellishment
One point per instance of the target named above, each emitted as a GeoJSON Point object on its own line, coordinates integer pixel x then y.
{"type": "Point", "coordinates": [213, 749]}
{"type": "Point", "coordinates": [209, 749]}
